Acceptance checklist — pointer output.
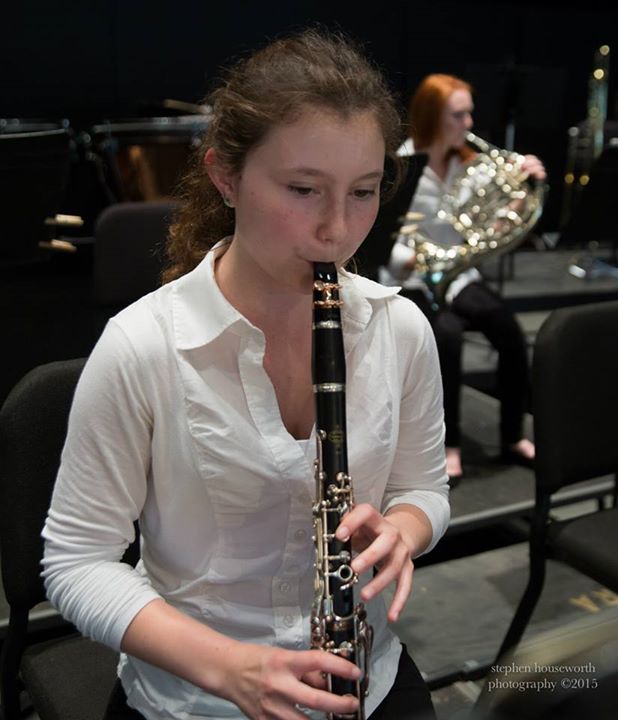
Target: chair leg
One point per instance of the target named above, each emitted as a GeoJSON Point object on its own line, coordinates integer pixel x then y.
{"type": "Point", "coordinates": [525, 608]}
{"type": "Point", "coordinates": [528, 602]}
{"type": "Point", "coordinates": [482, 710]}
{"type": "Point", "coordinates": [12, 650]}
{"type": "Point", "coordinates": [537, 550]}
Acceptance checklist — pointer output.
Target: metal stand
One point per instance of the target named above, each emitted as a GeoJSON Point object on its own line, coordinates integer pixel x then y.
{"type": "Point", "coordinates": [587, 266]}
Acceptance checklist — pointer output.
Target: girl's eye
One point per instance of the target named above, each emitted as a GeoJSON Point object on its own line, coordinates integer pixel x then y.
{"type": "Point", "coordinates": [300, 190]}
{"type": "Point", "coordinates": [364, 194]}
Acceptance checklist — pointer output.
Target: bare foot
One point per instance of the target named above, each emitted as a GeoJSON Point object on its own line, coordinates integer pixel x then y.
{"type": "Point", "coordinates": [453, 462]}
{"type": "Point", "coordinates": [524, 447]}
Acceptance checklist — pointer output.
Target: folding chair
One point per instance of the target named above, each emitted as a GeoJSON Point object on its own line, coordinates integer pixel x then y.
{"type": "Point", "coordinates": [575, 402]}
{"type": "Point", "coordinates": [67, 677]}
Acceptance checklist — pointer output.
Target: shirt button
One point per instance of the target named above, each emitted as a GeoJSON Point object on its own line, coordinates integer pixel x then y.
{"type": "Point", "coordinates": [288, 621]}
{"type": "Point", "coordinates": [284, 587]}
{"type": "Point", "coordinates": [300, 534]}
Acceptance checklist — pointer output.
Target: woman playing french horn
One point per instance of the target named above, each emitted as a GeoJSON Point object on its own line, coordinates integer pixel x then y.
{"type": "Point", "coordinates": [439, 120]}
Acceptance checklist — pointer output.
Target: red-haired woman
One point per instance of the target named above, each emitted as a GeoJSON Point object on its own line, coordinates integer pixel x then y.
{"type": "Point", "coordinates": [440, 116]}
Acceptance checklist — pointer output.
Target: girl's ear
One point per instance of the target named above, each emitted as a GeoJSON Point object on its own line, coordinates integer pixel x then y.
{"type": "Point", "coordinates": [221, 177]}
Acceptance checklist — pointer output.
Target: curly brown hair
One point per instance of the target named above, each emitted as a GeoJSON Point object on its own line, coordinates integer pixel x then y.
{"type": "Point", "coordinates": [310, 69]}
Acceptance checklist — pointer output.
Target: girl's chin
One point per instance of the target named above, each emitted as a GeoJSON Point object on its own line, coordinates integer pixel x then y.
{"type": "Point", "coordinates": [328, 257]}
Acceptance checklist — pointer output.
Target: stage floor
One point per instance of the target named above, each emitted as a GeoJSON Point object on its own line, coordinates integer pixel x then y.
{"type": "Point", "coordinates": [541, 280]}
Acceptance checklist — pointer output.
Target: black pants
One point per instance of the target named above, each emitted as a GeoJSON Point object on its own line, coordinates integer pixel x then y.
{"type": "Point", "coordinates": [478, 308]}
{"type": "Point", "coordinates": [408, 699]}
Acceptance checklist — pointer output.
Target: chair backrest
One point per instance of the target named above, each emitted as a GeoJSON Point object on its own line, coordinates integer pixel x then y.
{"type": "Point", "coordinates": [33, 423]}
{"type": "Point", "coordinates": [34, 172]}
{"type": "Point", "coordinates": [575, 395]}
{"type": "Point", "coordinates": [128, 251]}
{"type": "Point", "coordinates": [376, 249]}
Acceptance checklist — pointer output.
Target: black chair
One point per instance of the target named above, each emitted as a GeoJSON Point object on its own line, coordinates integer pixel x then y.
{"type": "Point", "coordinates": [66, 676]}
{"type": "Point", "coordinates": [128, 252]}
{"type": "Point", "coordinates": [575, 399]}
{"type": "Point", "coordinates": [376, 249]}
{"type": "Point", "coordinates": [34, 172]}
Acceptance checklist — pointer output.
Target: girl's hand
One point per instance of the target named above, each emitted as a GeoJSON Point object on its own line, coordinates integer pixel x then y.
{"type": "Point", "coordinates": [272, 683]}
{"type": "Point", "coordinates": [381, 544]}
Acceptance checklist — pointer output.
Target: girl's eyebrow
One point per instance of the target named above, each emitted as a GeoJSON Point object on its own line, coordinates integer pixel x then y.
{"type": "Point", "coordinates": [314, 172]}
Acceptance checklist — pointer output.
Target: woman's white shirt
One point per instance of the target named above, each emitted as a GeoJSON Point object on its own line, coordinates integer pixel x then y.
{"type": "Point", "coordinates": [176, 422]}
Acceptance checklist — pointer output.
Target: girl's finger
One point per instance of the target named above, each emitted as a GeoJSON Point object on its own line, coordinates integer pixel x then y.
{"type": "Point", "coordinates": [402, 592]}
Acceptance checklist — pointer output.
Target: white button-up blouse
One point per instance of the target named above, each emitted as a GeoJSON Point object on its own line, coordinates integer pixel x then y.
{"type": "Point", "coordinates": [176, 422]}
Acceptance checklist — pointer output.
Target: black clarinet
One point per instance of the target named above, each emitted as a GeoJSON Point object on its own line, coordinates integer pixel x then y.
{"type": "Point", "coordinates": [338, 625]}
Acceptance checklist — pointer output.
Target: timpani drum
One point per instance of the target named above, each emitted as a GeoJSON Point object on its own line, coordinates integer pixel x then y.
{"type": "Point", "coordinates": [30, 125]}
{"type": "Point", "coordinates": [144, 158]}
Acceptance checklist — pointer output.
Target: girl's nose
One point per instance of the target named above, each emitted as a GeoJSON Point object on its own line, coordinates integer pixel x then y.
{"type": "Point", "coordinates": [334, 227]}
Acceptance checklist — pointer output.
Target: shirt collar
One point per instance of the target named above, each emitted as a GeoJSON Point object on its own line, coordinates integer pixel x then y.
{"type": "Point", "coordinates": [201, 312]}
{"type": "Point", "coordinates": [359, 294]}
{"type": "Point", "coordinates": [452, 169]}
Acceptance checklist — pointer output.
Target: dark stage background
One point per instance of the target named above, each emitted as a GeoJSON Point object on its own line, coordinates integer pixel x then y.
{"type": "Point", "coordinates": [110, 59]}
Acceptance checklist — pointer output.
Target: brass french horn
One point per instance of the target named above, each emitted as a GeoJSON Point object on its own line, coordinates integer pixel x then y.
{"type": "Point", "coordinates": [493, 206]}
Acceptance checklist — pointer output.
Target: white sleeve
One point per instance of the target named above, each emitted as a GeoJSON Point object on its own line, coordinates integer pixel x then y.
{"type": "Point", "coordinates": [418, 474]}
{"type": "Point", "coordinates": [99, 493]}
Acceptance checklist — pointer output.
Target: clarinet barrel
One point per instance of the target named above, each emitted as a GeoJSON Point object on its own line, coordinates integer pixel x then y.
{"type": "Point", "coordinates": [339, 625]}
